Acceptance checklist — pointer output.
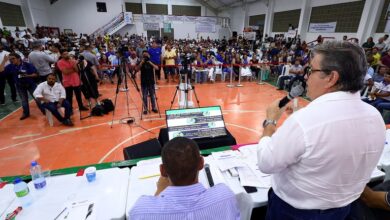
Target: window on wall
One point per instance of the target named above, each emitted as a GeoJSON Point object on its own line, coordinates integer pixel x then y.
{"type": "Point", "coordinates": [135, 8]}
{"type": "Point", "coordinates": [383, 18]}
{"type": "Point", "coordinates": [11, 15]}
{"type": "Point", "coordinates": [283, 19]}
{"type": "Point", "coordinates": [181, 10]}
{"type": "Point", "coordinates": [257, 20]}
{"type": "Point", "coordinates": [347, 15]}
{"type": "Point", "coordinates": [157, 9]}
{"type": "Point", "coordinates": [101, 7]}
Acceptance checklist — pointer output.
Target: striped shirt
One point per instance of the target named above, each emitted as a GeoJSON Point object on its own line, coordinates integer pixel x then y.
{"type": "Point", "coordinates": [188, 203]}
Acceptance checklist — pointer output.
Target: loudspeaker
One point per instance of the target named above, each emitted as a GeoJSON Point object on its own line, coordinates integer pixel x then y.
{"type": "Point", "coordinates": [147, 148]}
{"type": "Point", "coordinates": [234, 33]}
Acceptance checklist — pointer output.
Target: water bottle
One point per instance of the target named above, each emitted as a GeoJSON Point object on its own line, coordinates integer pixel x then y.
{"type": "Point", "coordinates": [37, 176]}
{"type": "Point", "coordinates": [22, 192]}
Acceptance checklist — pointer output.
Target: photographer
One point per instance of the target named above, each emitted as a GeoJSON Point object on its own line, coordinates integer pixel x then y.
{"type": "Point", "coordinates": [89, 79]}
{"type": "Point", "coordinates": [147, 81]}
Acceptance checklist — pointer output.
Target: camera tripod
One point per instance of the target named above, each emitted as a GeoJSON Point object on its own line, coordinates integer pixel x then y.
{"type": "Point", "coordinates": [122, 77]}
{"type": "Point", "coordinates": [184, 87]}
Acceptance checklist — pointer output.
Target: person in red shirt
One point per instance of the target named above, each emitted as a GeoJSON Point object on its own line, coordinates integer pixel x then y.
{"type": "Point", "coordinates": [71, 79]}
{"type": "Point", "coordinates": [385, 60]}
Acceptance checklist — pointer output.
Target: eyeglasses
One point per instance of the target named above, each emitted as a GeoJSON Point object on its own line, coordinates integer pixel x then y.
{"type": "Point", "coordinates": [311, 70]}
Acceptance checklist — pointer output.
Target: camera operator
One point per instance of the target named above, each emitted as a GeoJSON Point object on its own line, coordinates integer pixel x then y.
{"type": "Point", "coordinates": [147, 68]}
{"type": "Point", "coordinates": [89, 79]}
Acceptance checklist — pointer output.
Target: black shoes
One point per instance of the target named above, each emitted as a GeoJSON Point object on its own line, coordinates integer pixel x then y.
{"type": "Point", "coordinates": [24, 117]}
{"type": "Point", "coordinates": [154, 110]}
{"type": "Point", "coordinates": [67, 122]}
{"type": "Point", "coordinates": [145, 112]}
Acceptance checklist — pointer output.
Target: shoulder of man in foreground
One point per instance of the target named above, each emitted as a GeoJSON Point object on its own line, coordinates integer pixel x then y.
{"type": "Point", "coordinates": [220, 192]}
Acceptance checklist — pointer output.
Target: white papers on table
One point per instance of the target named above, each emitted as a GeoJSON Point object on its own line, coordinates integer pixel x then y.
{"type": "Point", "coordinates": [150, 161]}
{"type": "Point", "coordinates": [249, 153]}
{"type": "Point", "coordinates": [253, 177]}
{"type": "Point", "coordinates": [227, 159]}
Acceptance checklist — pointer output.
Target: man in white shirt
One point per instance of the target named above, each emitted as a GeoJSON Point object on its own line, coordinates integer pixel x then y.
{"type": "Point", "coordinates": [52, 96]}
{"type": "Point", "coordinates": [323, 155]}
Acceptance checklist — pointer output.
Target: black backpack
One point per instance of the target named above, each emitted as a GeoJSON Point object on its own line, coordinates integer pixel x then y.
{"type": "Point", "coordinates": [98, 110]}
{"type": "Point", "coordinates": [108, 106]}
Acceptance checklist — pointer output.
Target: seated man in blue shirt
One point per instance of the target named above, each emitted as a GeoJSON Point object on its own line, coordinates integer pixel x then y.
{"type": "Point", "coordinates": [179, 194]}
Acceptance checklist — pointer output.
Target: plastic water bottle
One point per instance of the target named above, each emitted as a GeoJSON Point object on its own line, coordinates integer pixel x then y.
{"type": "Point", "coordinates": [37, 176]}
{"type": "Point", "coordinates": [22, 192]}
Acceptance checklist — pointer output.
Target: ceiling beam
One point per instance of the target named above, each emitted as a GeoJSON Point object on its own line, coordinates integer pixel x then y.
{"type": "Point", "coordinates": [208, 6]}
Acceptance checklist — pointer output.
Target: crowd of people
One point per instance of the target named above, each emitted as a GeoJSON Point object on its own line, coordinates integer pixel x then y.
{"type": "Point", "coordinates": [42, 53]}
{"type": "Point", "coordinates": [52, 68]}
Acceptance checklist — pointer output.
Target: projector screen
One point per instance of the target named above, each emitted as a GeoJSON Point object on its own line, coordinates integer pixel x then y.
{"type": "Point", "coordinates": [195, 122]}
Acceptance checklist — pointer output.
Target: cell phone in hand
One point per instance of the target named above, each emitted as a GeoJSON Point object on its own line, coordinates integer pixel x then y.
{"type": "Point", "coordinates": [250, 189]}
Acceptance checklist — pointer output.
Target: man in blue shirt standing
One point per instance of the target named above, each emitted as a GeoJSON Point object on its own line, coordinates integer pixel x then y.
{"type": "Point", "coordinates": [155, 57]}
{"type": "Point", "coordinates": [179, 193]}
{"type": "Point", "coordinates": [24, 75]}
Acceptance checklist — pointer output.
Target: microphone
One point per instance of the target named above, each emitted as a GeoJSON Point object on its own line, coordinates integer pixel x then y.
{"type": "Point", "coordinates": [295, 92]}
{"type": "Point", "coordinates": [208, 174]}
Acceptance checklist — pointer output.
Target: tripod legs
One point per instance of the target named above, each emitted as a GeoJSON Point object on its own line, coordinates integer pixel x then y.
{"type": "Point", "coordinates": [174, 96]}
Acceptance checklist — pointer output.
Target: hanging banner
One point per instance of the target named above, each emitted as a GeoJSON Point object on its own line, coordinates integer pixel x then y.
{"type": "Point", "coordinates": [152, 18]}
{"type": "Point", "coordinates": [201, 27]}
{"type": "Point", "coordinates": [190, 18]}
{"type": "Point", "coordinates": [128, 18]}
{"type": "Point", "coordinates": [291, 33]}
{"type": "Point", "coordinates": [329, 27]}
{"type": "Point", "coordinates": [167, 27]}
{"type": "Point", "coordinates": [173, 19]}
{"type": "Point", "coordinates": [211, 20]}
{"type": "Point", "coordinates": [151, 26]}
{"type": "Point", "coordinates": [249, 35]}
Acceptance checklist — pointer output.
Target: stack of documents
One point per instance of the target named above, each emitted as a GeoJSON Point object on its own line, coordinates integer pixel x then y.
{"type": "Point", "coordinates": [244, 162]}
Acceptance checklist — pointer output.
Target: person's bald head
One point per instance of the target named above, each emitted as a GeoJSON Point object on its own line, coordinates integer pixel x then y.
{"type": "Point", "coordinates": [181, 161]}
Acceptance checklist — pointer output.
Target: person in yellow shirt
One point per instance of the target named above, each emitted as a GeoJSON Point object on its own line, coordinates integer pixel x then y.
{"type": "Point", "coordinates": [376, 57]}
{"type": "Point", "coordinates": [169, 57]}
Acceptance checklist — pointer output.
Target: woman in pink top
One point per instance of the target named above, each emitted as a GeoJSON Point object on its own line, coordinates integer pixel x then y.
{"type": "Point", "coordinates": [71, 79]}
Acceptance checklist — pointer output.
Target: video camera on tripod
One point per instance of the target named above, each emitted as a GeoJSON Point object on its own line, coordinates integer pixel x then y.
{"type": "Point", "coordinates": [186, 60]}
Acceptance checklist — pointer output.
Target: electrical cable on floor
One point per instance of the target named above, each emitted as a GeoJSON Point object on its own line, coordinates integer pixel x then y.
{"type": "Point", "coordinates": [131, 121]}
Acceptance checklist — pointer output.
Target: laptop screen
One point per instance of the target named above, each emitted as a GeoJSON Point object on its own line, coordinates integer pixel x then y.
{"type": "Point", "coordinates": [195, 122]}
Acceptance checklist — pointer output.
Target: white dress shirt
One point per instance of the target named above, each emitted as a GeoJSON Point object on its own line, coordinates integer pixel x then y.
{"type": "Point", "coordinates": [323, 155]}
{"type": "Point", "coordinates": [53, 94]}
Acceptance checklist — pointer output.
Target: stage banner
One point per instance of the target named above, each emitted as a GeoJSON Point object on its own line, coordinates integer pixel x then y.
{"type": "Point", "coordinates": [329, 27]}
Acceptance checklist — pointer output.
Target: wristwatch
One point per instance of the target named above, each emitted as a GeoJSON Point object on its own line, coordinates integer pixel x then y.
{"type": "Point", "coordinates": [269, 122]}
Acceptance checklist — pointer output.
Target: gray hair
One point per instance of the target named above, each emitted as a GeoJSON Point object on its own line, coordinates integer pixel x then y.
{"type": "Point", "coordinates": [348, 59]}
